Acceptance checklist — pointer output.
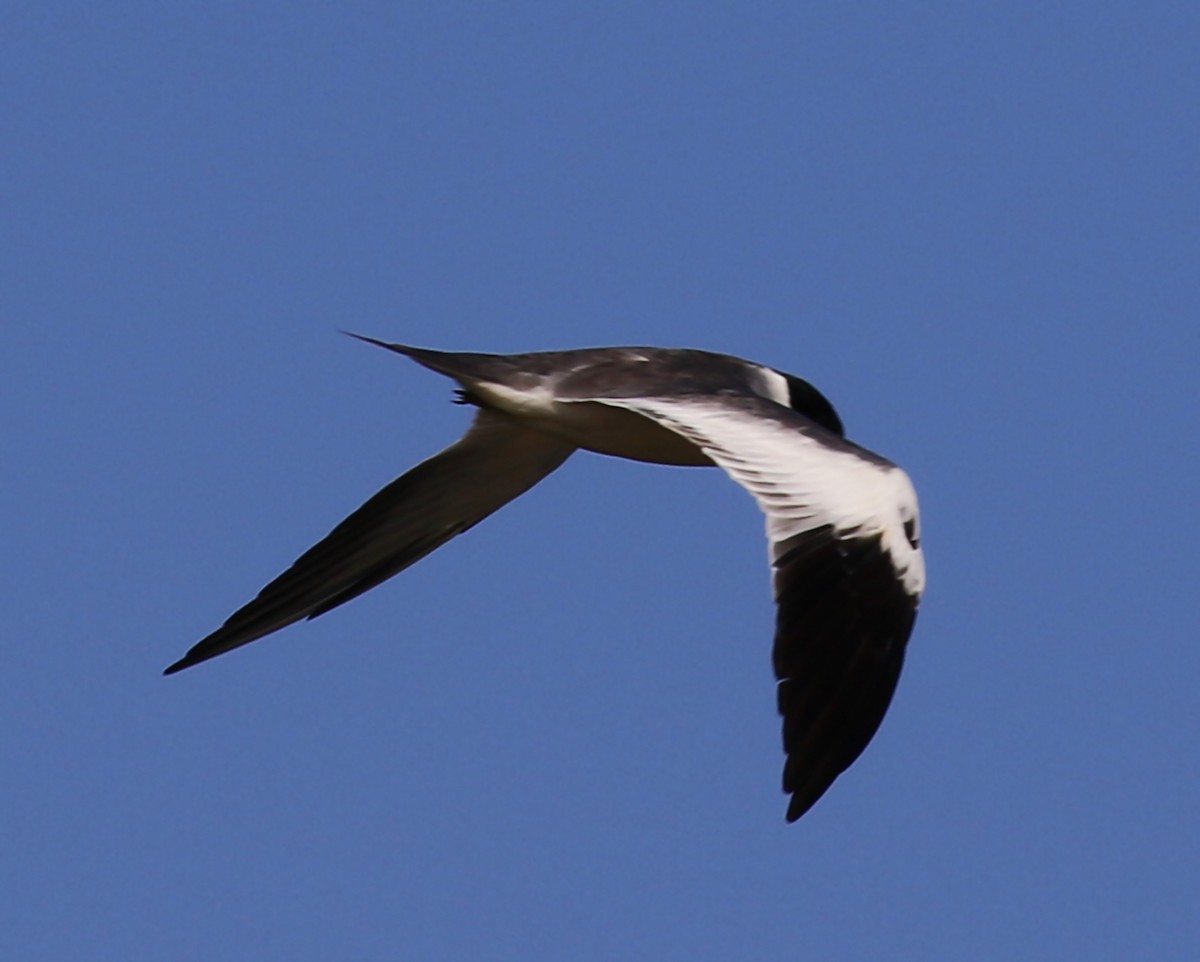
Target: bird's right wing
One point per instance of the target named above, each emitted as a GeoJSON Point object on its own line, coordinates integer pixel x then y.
{"type": "Point", "coordinates": [848, 569]}
{"type": "Point", "coordinates": [494, 462]}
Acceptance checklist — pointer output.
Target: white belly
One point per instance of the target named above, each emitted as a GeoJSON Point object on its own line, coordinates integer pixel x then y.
{"type": "Point", "coordinates": [594, 426]}
{"type": "Point", "coordinates": [623, 434]}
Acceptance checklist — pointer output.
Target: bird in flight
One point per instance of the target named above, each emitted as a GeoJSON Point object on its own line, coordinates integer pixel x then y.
{"type": "Point", "coordinates": [842, 522]}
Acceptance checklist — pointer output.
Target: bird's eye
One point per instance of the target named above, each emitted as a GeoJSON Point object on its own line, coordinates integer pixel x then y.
{"type": "Point", "coordinates": [910, 532]}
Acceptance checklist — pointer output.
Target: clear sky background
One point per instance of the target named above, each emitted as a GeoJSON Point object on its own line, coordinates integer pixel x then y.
{"type": "Point", "coordinates": [975, 227]}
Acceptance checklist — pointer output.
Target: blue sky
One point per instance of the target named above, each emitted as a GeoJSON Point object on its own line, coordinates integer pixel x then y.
{"type": "Point", "coordinates": [974, 226]}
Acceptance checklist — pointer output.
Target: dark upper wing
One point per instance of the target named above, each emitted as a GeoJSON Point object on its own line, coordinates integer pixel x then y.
{"type": "Point", "coordinates": [848, 573]}
{"type": "Point", "coordinates": [494, 462]}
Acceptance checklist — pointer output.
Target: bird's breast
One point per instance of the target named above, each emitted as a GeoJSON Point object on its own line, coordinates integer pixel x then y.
{"type": "Point", "coordinates": [624, 434]}
{"type": "Point", "coordinates": [592, 425]}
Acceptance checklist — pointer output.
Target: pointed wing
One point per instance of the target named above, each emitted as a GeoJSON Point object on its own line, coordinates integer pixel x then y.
{"type": "Point", "coordinates": [848, 573]}
{"type": "Point", "coordinates": [493, 463]}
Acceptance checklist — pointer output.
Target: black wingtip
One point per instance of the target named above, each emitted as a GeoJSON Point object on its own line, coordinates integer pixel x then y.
{"type": "Point", "coordinates": [178, 666]}
{"type": "Point", "coordinates": [798, 808]}
{"type": "Point", "coordinates": [195, 655]}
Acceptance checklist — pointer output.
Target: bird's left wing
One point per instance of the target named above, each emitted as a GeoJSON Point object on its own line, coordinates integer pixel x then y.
{"type": "Point", "coordinates": [497, 460]}
{"type": "Point", "coordinates": [848, 570]}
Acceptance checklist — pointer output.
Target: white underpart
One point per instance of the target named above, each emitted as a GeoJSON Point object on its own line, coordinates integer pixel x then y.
{"type": "Point", "coordinates": [602, 428]}
{"type": "Point", "coordinates": [536, 402]}
{"type": "Point", "coordinates": [799, 482]}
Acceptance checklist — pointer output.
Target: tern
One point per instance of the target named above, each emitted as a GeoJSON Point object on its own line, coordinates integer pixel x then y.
{"type": "Point", "coordinates": [842, 522]}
